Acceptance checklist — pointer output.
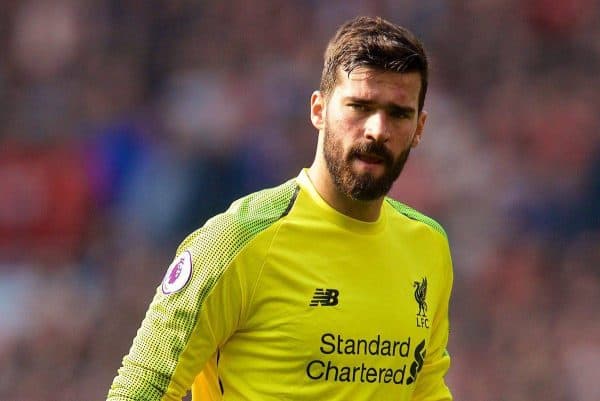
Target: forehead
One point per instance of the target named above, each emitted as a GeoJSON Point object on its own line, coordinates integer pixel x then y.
{"type": "Point", "coordinates": [377, 85]}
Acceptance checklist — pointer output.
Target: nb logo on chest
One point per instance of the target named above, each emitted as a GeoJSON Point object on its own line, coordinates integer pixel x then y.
{"type": "Point", "coordinates": [325, 297]}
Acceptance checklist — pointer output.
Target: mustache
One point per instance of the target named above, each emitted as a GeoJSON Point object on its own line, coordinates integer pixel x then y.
{"type": "Point", "coordinates": [374, 148]}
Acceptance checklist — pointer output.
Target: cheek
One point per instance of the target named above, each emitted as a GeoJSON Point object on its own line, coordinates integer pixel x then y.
{"type": "Point", "coordinates": [344, 123]}
{"type": "Point", "coordinates": [408, 132]}
{"type": "Point", "coordinates": [344, 130]}
{"type": "Point", "coordinates": [403, 140]}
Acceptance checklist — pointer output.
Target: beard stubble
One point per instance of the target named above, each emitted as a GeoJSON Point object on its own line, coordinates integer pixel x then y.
{"type": "Point", "coordinates": [361, 186]}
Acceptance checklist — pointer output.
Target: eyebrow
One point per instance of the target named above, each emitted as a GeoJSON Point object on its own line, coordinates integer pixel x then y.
{"type": "Point", "coordinates": [390, 107]}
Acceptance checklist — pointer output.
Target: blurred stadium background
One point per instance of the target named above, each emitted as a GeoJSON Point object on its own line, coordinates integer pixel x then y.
{"type": "Point", "coordinates": [124, 124]}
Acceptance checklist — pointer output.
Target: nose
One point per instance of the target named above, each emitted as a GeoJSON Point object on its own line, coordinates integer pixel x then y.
{"type": "Point", "coordinates": [376, 127]}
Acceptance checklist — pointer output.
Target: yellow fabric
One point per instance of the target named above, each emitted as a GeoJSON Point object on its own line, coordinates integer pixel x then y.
{"type": "Point", "coordinates": [313, 305]}
{"type": "Point", "coordinates": [205, 386]}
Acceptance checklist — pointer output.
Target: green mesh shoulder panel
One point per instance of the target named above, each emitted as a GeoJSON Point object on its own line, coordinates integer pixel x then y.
{"type": "Point", "coordinates": [415, 215]}
{"type": "Point", "coordinates": [153, 360]}
{"type": "Point", "coordinates": [223, 236]}
{"type": "Point", "coordinates": [216, 244]}
{"type": "Point", "coordinates": [245, 218]}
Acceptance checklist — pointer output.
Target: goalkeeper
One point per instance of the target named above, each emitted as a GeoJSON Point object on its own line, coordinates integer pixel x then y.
{"type": "Point", "coordinates": [322, 288]}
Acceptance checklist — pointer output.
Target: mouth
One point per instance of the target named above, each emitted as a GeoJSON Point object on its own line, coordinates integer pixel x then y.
{"type": "Point", "coordinates": [370, 158]}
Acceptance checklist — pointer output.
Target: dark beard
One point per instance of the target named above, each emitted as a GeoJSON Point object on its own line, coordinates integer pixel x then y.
{"type": "Point", "coordinates": [364, 187]}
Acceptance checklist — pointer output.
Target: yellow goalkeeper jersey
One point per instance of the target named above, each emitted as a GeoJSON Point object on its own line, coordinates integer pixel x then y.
{"type": "Point", "coordinates": [281, 297]}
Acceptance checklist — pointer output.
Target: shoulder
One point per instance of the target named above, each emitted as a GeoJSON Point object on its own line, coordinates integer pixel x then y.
{"type": "Point", "coordinates": [243, 220]}
{"type": "Point", "coordinates": [417, 216]}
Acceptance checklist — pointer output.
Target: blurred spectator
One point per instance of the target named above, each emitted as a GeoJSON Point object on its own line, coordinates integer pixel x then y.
{"type": "Point", "coordinates": [45, 204]}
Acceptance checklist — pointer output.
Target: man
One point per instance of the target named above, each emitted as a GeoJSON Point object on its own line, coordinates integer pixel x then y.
{"type": "Point", "coordinates": [321, 288]}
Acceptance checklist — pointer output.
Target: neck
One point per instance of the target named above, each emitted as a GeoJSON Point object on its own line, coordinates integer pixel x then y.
{"type": "Point", "coordinates": [368, 211]}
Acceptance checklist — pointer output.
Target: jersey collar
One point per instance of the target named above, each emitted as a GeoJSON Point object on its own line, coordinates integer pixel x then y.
{"type": "Point", "coordinates": [335, 216]}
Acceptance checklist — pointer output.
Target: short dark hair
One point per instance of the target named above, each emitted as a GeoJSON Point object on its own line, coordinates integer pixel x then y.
{"type": "Point", "coordinates": [375, 43]}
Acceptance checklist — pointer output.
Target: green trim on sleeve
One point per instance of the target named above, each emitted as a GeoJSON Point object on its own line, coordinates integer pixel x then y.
{"type": "Point", "coordinates": [415, 215]}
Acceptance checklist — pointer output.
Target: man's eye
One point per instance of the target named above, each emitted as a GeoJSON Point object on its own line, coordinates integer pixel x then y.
{"type": "Point", "coordinates": [400, 114]}
{"type": "Point", "coordinates": [358, 106]}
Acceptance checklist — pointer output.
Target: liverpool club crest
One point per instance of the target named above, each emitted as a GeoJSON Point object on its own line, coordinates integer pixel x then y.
{"type": "Point", "coordinates": [420, 295]}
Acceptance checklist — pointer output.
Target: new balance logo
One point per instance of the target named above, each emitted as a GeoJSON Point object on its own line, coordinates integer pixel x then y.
{"type": "Point", "coordinates": [325, 297]}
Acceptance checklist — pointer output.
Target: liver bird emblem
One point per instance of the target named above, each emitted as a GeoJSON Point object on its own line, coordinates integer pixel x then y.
{"type": "Point", "coordinates": [420, 294]}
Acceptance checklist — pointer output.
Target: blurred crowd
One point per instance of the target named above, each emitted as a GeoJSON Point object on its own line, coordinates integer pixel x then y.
{"type": "Point", "coordinates": [124, 124]}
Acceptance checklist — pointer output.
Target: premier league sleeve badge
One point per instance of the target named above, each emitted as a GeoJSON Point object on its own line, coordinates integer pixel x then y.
{"type": "Point", "coordinates": [178, 274]}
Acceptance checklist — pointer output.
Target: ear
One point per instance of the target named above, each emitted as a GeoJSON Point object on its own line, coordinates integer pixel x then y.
{"type": "Point", "coordinates": [317, 110]}
{"type": "Point", "coordinates": [420, 128]}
